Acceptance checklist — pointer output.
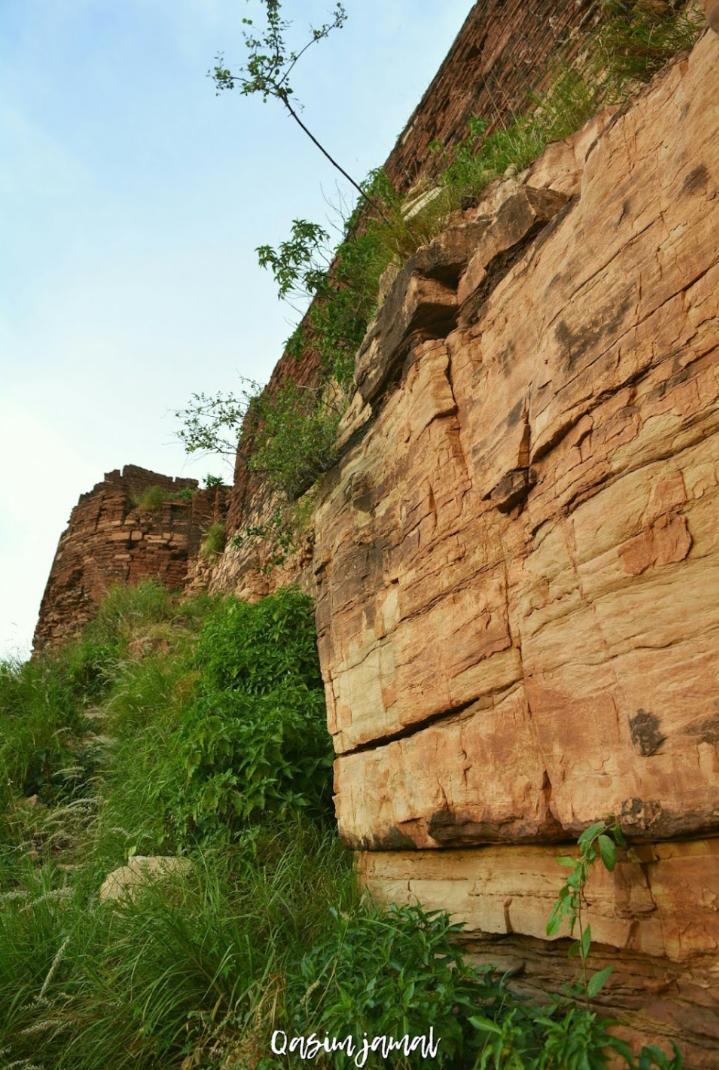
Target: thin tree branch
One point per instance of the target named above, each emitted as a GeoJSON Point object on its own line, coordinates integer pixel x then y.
{"type": "Point", "coordinates": [365, 196]}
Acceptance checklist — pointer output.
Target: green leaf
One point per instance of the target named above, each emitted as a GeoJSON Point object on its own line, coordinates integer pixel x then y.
{"type": "Point", "coordinates": [555, 919]}
{"type": "Point", "coordinates": [485, 1025]}
{"type": "Point", "coordinates": [619, 837]}
{"type": "Point", "coordinates": [585, 942]}
{"type": "Point", "coordinates": [597, 981]}
{"type": "Point", "coordinates": [608, 852]}
{"type": "Point", "coordinates": [591, 833]}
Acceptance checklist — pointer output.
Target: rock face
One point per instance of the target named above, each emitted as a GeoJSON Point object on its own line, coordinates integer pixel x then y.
{"type": "Point", "coordinates": [500, 55]}
{"type": "Point", "coordinates": [517, 558]}
{"type": "Point", "coordinates": [109, 540]}
{"type": "Point", "coordinates": [655, 922]}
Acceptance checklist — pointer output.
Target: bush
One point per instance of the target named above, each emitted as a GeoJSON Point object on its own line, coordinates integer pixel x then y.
{"type": "Point", "coordinates": [390, 973]}
{"type": "Point", "coordinates": [638, 37]}
{"type": "Point", "coordinates": [213, 542]}
{"type": "Point", "coordinates": [253, 741]}
{"type": "Point", "coordinates": [40, 721]}
{"type": "Point", "coordinates": [151, 499]}
{"type": "Point", "coordinates": [294, 442]}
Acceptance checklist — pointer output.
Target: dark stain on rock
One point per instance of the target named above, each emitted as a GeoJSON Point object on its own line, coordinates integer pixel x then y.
{"type": "Point", "coordinates": [454, 829]}
{"type": "Point", "coordinates": [626, 208]}
{"type": "Point", "coordinates": [498, 267]}
{"type": "Point", "coordinates": [640, 814]}
{"type": "Point", "coordinates": [644, 729]}
{"type": "Point", "coordinates": [515, 413]}
{"type": "Point", "coordinates": [512, 488]}
{"type": "Point", "coordinates": [394, 840]}
{"type": "Point", "coordinates": [707, 730]}
{"type": "Point", "coordinates": [696, 181]}
{"type": "Point", "coordinates": [576, 343]}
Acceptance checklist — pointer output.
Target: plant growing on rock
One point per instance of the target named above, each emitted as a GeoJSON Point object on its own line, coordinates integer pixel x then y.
{"type": "Point", "coordinates": [598, 842]}
{"type": "Point", "coordinates": [270, 62]}
{"type": "Point", "coordinates": [213, 542]}
{"type": "Point", "coordinates": [211, 423]}
{"type": "Point", "coordinates": [151, 499]}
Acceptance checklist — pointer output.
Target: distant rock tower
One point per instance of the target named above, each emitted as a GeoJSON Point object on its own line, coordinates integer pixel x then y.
{"type": "Point", "coordinates": [112, 539]}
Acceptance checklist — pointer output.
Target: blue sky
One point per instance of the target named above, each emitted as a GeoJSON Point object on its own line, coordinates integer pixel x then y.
{"type": "Point", "coordinates": [131, 202]}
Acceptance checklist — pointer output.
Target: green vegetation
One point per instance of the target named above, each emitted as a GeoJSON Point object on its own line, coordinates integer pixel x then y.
{"type": "Point", "coordinates": [270, 62]}
{"type": "Point", "coordinates": [213, 541]}
{"type": "Point", "coordinates": [639, 37]}
{"type": "Point", "coordinates": [291, 431]}
{"type": "Point", "coordinates": [153, 498]}
{"type": "Point", "coordinates": [196, 729]}
{"type": "Point", "coordinates": [281, 535]}
{"type": "Point", "coordinates": [295, 438]}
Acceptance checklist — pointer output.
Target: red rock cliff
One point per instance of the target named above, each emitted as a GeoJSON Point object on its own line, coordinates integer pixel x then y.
{"type": "Point", "coordinates": [110, 540]}
{"type": "Point", "coordinates": [517, 561]}
{"type": "Point", "coordinates": [501, 54]}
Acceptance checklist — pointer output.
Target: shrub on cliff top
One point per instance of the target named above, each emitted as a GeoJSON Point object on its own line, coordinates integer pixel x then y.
{"type": "Point", "coordinates": [151, 499]}
{"type": "Point", "coordinates": [636, 38]}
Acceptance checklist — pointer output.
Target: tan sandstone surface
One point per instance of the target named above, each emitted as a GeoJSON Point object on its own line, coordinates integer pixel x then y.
{"type": "Point", "coordinates": [517, 558]}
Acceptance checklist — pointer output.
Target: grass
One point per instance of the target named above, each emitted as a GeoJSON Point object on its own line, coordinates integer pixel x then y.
{"type": "Point", "coordinates": [213, 542]}
{"type": "Point", "coordinates": [153, 498]}
{"type": "Point", "coordinates": [214, 748]}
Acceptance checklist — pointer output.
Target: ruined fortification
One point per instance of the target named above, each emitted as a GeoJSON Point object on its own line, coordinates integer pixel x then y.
{"type": "Point", "coordinates": [111, 539]}
{"type": "Point", "coordinates": [515, 560]}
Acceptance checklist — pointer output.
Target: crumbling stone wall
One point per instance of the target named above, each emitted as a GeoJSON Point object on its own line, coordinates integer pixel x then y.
{"type": "Point", "coordinates": [109, 540]}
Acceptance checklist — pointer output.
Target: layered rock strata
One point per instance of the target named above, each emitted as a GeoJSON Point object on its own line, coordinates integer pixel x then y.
{"type": "Point", "coordinates": [503, 52]}
{"type": "Point", "coordinates": [110, 540]}
{"type": "Point", "coordinates": [517, 559]}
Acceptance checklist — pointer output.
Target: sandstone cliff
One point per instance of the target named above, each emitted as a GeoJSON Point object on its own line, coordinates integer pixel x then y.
{"type": "Point", "coordinates": [517, 563]}
{"type": "Point", "coordinates": [501, 55]}
{"type": "Point", "coordinates": [515, 560]}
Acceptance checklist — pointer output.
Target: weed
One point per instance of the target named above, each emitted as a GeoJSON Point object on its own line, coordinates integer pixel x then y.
{"type": "Point", "coordinates": [213, 542]}
{"type": "Point", "coordinates": [151, 499]}
{"type": "Point", "coordinates": [214, 748]}
{"type": "Point", "coordinates": [281, 534]}
{"type": "Point", "coordinates": [294, 436]}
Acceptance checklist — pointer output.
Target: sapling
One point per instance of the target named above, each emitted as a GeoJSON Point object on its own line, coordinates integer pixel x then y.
{"type": "Point", "coordinates": [270, 62]}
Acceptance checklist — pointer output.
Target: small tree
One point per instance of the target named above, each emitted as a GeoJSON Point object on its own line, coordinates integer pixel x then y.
{"type": "Point", "coordinates": [212, 423]}
{"type": "Point", "coordinates": [269, 65]}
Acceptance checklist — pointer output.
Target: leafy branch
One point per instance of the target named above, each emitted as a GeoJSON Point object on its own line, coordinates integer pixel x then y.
{"type": "Point", "coordinates": [211, 423]}
{"type": "Point", "coordinates": [269, 64]}
{"type": "Point", "coordinates": [598, 842]}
